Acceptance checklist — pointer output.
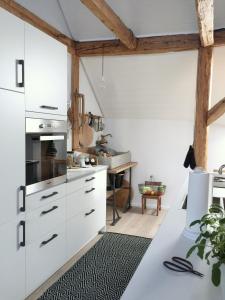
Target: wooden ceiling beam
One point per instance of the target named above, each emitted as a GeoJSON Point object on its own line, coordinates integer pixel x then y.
{"type": "Point", "coordinates": [205, 15]}
{"type": "Point", "coordinates": [147, 45]}
{"type": "Point", "coordinates": [155, 44]}
{"type": "Point", "coordinates": [216, 112]}
{"type": "Point", "coordinates": [108, 17]}
{"type": "Point", "coordinates": [26, 15]}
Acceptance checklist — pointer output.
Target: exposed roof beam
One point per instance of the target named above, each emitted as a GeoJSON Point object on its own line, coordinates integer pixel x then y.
{"type": "Point", "coordinates": [104, 12]}
{"type": "Point", "coordinates": [23, 13]}
{"type": "Point", "coordinates": [156, 44]}
{"type": "Point", "coordinates": [147, 45]}
{"type": "Point", "coordinates": [205, 15]}
{"type": "Point", "coordinates": [216, 111]}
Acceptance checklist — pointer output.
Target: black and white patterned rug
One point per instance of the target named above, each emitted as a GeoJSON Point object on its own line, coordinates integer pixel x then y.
{"type": "Point", "coordinates": [103, 272]}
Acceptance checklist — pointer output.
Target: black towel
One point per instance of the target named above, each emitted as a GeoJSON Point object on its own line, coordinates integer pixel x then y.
{"type": "Point", "coordinates": [190, 158]}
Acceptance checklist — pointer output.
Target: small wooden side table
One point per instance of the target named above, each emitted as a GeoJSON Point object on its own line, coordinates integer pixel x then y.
{"type": "Point", "coordinates": [145, 197]}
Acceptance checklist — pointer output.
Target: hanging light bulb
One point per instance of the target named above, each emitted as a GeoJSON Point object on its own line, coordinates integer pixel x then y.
{"type": "Point", "coordinates": [102, 82]}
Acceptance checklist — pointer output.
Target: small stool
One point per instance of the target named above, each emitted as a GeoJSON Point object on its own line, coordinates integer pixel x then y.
{"type": "Point", "coordinates": [145, 197]}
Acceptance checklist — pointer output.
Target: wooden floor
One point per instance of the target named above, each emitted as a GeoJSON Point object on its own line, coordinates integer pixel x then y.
{"type": "Point", "coordinates": [132, 222]}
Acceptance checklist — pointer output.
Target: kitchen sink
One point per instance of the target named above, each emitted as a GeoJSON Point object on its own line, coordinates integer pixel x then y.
{"type": "Point", "coordinates": [114, 161]}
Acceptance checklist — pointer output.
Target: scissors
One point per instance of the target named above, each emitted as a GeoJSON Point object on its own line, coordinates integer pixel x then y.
{"type": "Point", "coordinates": [181, 265]}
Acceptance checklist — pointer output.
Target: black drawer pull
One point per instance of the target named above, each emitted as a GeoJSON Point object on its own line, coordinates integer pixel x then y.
{"type": "Point", "coordinates": [90, 179]}
{"type": "Point", "coordinates": [22, 244]}
{"type": "Point", "coordinates": [44, 212]}
{"type": "Point", "coordinates": [23, 189]}
{"type": "Point", "coordinates": [48, 196]}
{"type": "Point", "coordinates": [90, 212]}
{"type": "Point", "coordinates": [49, 107]}
{"type": "Point", "coordinates": [52, 238]}
{"type": "Point", "coordinates": [89, 191]}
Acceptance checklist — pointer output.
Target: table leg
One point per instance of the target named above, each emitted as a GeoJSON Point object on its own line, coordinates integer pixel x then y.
{"type": "Point", "coordinates": [116, 216]}
{"type": "Point", "coordinates": [158, 200]}
{"type": "Point", "coordinates": [128, 204]}
{"type": "Point", "coordinates": [142, 204]}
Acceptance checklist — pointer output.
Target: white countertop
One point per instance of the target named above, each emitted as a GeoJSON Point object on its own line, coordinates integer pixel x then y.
{"type": "Point", "coordinates": [152, 281]}
{"type": "Point", "coordinates": [73, 174]}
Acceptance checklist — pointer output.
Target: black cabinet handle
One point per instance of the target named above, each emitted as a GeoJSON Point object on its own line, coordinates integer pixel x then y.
{"type": "Point", "coordinates": [49, 107]}
{"type": "Point", "coordinates": [89, 191]}
{"type": "Point", "coordinates": [52, 238]}
{"type": "Point", "coordinates": [90, 179]}
{"type": "Point", "coordinates": [22, 244]}
{"type": "Point", "coordinates": [50, 195]}
{"type": "Point", "coordinates": [44, 212]}
{"type": "Point", "coordinates": [20, 62]}
{"type": "Point", "coordinates": [90, 212]}
{"type": "Point", "coordinates": [23, 189]}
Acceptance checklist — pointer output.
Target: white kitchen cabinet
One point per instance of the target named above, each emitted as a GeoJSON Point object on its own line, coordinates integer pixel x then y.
{"type": "Point", "coordinates": [85, 210]}
{"type": "Point", "coordinates": [12, 52]}
{"type": "Point", "coordinates": [12, 261]}
{"type": "Point", "coordinates": [12, 155]}
{"type": "Point", "coordinates": [45, 73]}
{"type": "Point", "coordinates": [44, 257]}
{"type": "Point", "coordinates": [44, 219]}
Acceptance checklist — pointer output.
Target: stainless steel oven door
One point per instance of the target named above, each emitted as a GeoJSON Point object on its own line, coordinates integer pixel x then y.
{"type": "Point", "coordinates": [45, 154]}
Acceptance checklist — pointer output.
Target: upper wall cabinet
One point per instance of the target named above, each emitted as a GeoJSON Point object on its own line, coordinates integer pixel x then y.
{"type": "Point", "coordinates": [11, 52]}
{"type": "Point", "coordinates": [45, 73]}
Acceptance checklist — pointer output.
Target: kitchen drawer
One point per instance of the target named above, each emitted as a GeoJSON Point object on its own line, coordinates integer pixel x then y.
{"type": "Point", "coordinates": [81, 201]}
{"type": "Point", "coordinates": [77, 184]}
{"type": "Point", "coordinates": [44, 219]}
{"type": "Point", "coordinates": [44, 197]}
{"type": "Point", "coordinates": [44, 257]}
{"type": "Point", "coordinates": [80, 230]}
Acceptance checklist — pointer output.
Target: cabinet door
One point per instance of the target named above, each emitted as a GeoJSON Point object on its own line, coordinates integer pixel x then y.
{"type": "Point", "coordinates": [12, 154]}
{"type": "Point", "coordinates": [12, 262]}
{"type": "Point", "coordinates": [45, 73]}
{"type": "Point", "coordinates": [100, 199]}
{"type": "Point", "coordinates": [12, 52]}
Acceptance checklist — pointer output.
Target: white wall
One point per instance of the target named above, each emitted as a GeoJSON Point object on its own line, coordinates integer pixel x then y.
{"type": "Point", "coordinates": [159, 147]}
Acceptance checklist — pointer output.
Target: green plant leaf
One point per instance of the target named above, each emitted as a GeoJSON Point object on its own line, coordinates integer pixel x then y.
{"type": "Point", "coordinates": [216, 274]}
{"type": "Point", "coordinates": [198, 238]}
{"type": "Point", "coordinates": [190, 251]}
{"type": "Point", "coordinates": [195, 222]}
{"type": "Point", "coordinates": [222, 221]}
{"type": "Point", "coordinates": [201, 248]}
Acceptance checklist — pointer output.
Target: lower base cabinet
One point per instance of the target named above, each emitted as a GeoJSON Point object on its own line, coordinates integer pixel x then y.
{"type": "Point", "coordinates": [45, 257]}
{"type": "Point", "coordinates": [56, 229]}
{"type": "Point", "coordinates": [12, 262]}
{"type": "Point", "coordinates": [80, 230]}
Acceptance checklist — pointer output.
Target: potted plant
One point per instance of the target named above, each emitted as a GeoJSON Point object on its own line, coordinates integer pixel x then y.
{"type": "Point", "coordinates": [210, 244]}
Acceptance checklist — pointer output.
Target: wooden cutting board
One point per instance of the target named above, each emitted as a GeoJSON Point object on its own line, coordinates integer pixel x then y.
{"type": "Point", "coordinates": [86, 134]}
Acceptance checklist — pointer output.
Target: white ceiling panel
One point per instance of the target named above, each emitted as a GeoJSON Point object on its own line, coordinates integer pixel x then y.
{"type": "Point", "coordinates": [48, 10]}
{"type": "Point", "coordinates": [144, 17]}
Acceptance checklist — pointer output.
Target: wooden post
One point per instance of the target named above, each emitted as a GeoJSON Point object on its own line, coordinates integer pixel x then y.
{"type": "Point", "coordinates": [74, 99]}
{"type": "Point", "coordinates": [202, 105]}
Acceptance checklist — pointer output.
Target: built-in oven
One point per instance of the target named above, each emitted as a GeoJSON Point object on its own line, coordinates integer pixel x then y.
{"type": "Point", "coordinates": [45, 154]}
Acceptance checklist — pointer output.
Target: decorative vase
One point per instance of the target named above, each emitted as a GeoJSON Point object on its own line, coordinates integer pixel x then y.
{"type": "Point", "coordinates": [222, 282]}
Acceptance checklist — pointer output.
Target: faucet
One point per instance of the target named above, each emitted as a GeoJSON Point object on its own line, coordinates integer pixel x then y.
{"type": "Point", "coordinates": [221, 169]}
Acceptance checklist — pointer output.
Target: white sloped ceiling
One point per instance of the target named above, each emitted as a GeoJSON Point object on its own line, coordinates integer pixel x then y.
{"type": "Point", "coordinates": [143, 17]}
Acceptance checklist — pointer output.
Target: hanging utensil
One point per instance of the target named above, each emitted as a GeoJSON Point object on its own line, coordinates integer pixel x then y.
{"type": "Point", "coordinates": [86, 132]}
